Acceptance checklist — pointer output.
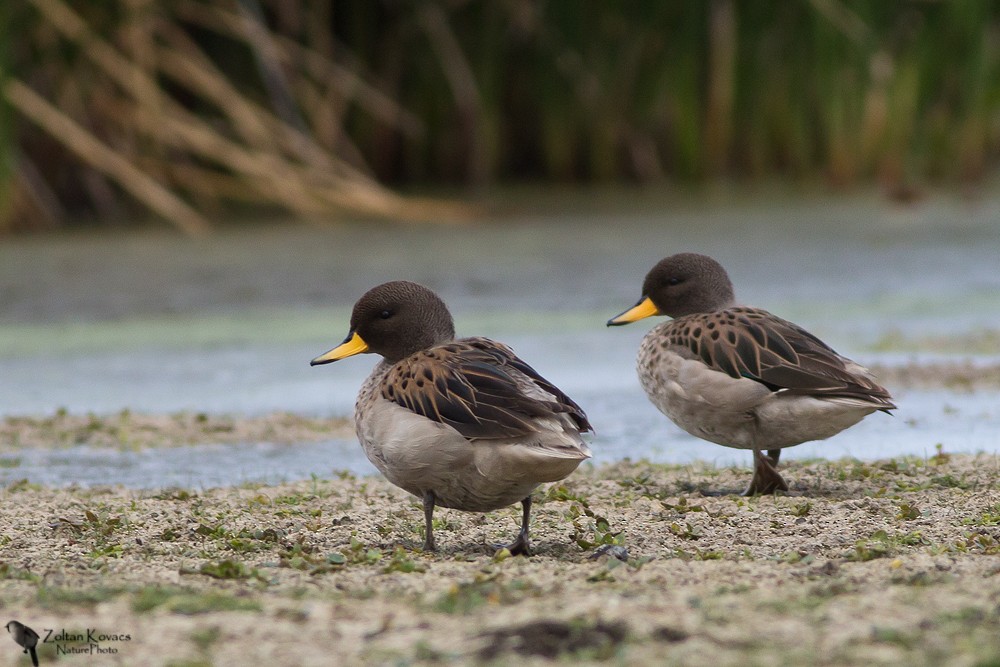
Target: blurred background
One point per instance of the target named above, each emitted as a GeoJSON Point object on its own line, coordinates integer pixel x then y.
{"type": "Point", "coordinates": [193, 193]}
{"type": "Point", "coordinates": [115, 111]}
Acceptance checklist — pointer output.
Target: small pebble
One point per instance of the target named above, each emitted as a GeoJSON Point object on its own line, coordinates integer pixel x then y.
{"type": "Point", "coordinates": [613, 550]}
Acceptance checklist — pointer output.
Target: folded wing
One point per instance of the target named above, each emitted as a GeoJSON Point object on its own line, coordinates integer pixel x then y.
{"type": "Point", "coordinates": [753, 343]}
{"type": "Point", "coordinates": [481, 389]}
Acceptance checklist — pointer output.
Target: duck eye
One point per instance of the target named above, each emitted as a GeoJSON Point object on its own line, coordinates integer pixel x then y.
{"type": "Point", "coordinates": [673, 281]}
{"type": "Point", "coordinates": [385, 314]}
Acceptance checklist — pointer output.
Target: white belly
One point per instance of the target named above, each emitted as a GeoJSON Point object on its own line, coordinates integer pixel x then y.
{"type": "Point", "coordinates": [420, 455]}
{"type": "Point", "coordinates": [738, 412]}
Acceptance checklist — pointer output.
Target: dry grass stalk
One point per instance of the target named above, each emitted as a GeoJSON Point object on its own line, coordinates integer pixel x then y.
{"type": "Point", "coordinates": [91, 150]}
{"type": "Point", "coordinates": [255, 155]}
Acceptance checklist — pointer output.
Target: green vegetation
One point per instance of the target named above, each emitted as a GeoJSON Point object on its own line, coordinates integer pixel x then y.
{"type": "Point", "coordinates": [224, 569]}
{"type": "Point", "coordinates": [189, 602]}
{"type": "Point", "coordinates": [59, 598]}
{"type": "Point", "coordinates": [305, 107]}
{"type": "Point", "coordinates": [485, 588]}
{"type": "Point", "coordinates": [882, 545]}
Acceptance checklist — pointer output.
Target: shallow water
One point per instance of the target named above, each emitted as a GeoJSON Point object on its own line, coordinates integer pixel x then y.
{"type": "Point", "coordinates": [959, 424]}
{"type": "Point", "coordinates": [153, 323]}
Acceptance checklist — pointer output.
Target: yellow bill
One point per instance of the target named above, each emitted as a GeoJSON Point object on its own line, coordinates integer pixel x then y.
{"type": "Point", "coordinates": [352, 345]}
{"type": "Point", "coordinates": [641, 310]}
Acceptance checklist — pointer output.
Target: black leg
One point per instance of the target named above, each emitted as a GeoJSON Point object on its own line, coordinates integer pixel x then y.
{"type": "Point", "coordinates": [521, 546]}
{"type": "Point", "coordinates": [429, 521]}
{"type": "Point", "coordinates": [774, 454]}
{"type": "Point", "coordinates": [766, 479]}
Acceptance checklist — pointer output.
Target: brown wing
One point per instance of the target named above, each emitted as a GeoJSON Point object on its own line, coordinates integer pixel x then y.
{"type": "Point", "coordinates": [480, 388]}
{"type": "Point", "coordinates": [753, 343]}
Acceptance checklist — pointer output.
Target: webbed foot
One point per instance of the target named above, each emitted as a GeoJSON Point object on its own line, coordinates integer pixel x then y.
{"type": "Point", "coordinates": [766, 479]}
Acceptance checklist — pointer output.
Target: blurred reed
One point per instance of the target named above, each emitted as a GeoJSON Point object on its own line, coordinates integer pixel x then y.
{"type": "Point", "coordinates": [198, 108]}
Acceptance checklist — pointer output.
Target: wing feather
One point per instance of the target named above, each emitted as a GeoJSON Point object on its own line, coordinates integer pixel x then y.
{"type": "Point", "coordinates": [753, 343]}
{"type": "Point", "coordinates": [480, 388]}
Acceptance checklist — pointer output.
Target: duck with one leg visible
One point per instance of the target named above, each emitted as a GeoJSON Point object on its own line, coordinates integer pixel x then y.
{"type": "Point", "coordinates": [740, 376]}
{"type": "Point", "coordinates": [460, 423]}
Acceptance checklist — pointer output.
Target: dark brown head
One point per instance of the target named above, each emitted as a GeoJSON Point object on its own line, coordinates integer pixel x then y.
{"type": "Point", "coordinates": [679, 285]}
{"type": "Point", "coordinates": [395, 320]}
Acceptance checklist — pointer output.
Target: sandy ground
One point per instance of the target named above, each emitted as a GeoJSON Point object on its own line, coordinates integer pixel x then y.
{"type": "Point", "coordinates": [892, 562]}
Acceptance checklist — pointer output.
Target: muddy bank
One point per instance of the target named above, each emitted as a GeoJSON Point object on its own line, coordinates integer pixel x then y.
{"type": "Point", "coordinates": [890, 562]}
{"type": "Point", "coordinates": [127, 430]}
{"type": "Point", "coordinates": [961, 375]}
